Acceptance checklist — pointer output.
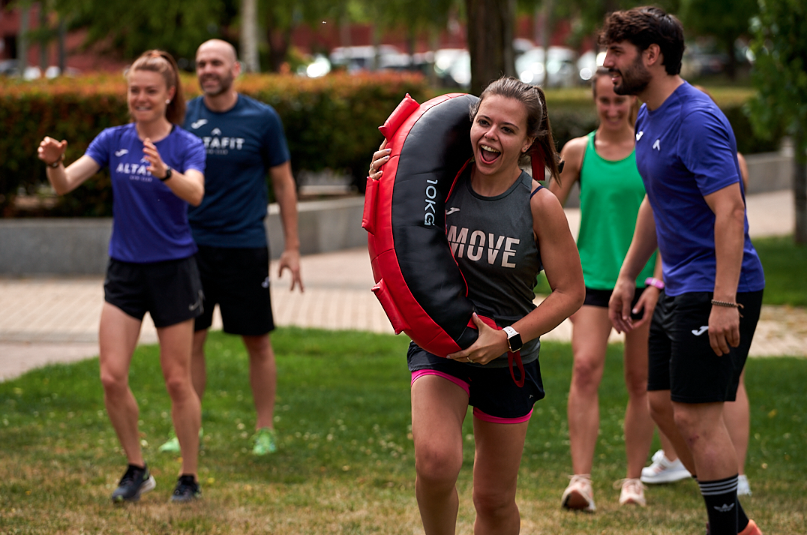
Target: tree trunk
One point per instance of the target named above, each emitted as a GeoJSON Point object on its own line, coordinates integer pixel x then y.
{"type": "Point", "coordinates": [43, 41]}
{"type": "Point", "coordinates": [490, 40]}
{"type": "Point", "coordinates": [22, 39]}
{"type": "Point", "coordinates": [249, 36]}
{"type": "Point", "coordinates": [800, 185]}
{"type": "Point", "coordinates": [62, 46]}
{"type": "Point", "coordinates": [731, 66]}
{"type": "Point", "coordinates": [278, 40]}
{"type": "Point", "coordinates": [546, 31]}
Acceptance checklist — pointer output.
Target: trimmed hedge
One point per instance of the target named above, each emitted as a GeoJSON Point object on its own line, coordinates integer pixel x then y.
{"type": "Point", "coordinates": [330, 122]}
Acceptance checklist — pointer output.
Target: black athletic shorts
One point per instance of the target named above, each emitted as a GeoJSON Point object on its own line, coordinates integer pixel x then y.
{"type": "Point", "coordinates": [492, 392]}
{"type": "Point", "coordinates": [680, 357]}
{"type": "Point", "coordinates": [170, 291]}
{"type": "Point", "coordinates": [600, 298]}
{"type": "Point", "coordinates": [236, 279]}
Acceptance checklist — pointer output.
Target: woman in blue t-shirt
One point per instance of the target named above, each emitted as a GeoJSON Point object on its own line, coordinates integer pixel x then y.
{"type": "Point", "coordinates": [157, 170]}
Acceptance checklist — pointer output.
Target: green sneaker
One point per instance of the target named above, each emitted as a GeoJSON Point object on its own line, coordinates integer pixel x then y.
{"type": "Point", "coordinates": [265, 441]}
{"type": "Point", "coordinates": [172, 446]}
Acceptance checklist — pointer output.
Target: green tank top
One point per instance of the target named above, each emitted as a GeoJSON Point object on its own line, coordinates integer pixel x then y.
{"type": "Point", "coordinates": [610, 195]}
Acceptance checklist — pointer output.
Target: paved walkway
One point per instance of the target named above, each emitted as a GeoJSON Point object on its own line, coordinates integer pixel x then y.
{"type": "Point", "coordinates": [56, 320]}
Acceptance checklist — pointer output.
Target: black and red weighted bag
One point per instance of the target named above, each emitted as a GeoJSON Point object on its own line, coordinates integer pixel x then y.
{"type": "Point", "coordinates": [417, 279]}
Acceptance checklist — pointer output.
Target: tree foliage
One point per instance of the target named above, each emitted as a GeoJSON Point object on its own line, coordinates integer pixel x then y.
{"type": "Point", "coordinates": [780, 76]}
{"type": "Point", "coordinates": [715, 19]}
{"type": "Point", "coordinates": [131, 27]}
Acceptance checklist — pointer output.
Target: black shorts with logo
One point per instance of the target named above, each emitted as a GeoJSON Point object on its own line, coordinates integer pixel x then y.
{"type": "Point", "coordinates": [236, 279]}
{"type": "Point", "coordinates": [680, 357]}
{"type": "Point", "coordinates": [170, 291]}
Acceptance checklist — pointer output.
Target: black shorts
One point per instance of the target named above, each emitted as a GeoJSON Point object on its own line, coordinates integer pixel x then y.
{"type": "Point", "coordinates": [600, 298]}
{"type": "Point", "coordinates": [170, 291]}
{"type": "Point", "coordinates": [492, 392]}
{"type": "Point", "coordinates": [236, 279]}
{"type": "Point", "coordinates": [680, 357]}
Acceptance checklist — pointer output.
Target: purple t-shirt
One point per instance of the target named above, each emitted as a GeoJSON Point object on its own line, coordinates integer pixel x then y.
{"type": "Point", "coordinates": [686, 150]}
{"type": "Point", "coordinates": [150, 223]}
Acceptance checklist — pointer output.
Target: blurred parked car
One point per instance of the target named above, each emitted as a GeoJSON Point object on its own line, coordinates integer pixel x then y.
{"type": "Point", "coordinates": [360, 58]}
{"type": "Point", "coordinates": [560, 67]}
{"type": "Point", "coordinates": [703, 58]}
{"type": "Point", "coordinates": [587, 65]}
{"type": "Point", "coordinates": [319, 66]}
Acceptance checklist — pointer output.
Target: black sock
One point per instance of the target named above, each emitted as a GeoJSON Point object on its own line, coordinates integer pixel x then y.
{"type": "Point", "coordinates": [721, 505]}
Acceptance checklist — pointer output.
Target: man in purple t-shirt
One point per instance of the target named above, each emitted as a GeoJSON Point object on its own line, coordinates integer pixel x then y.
{"type": "Point", "coordinates": [695, 213]}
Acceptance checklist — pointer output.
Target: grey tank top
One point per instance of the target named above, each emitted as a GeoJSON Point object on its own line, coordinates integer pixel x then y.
{"type": "Point", "coordinates": [493, 243]}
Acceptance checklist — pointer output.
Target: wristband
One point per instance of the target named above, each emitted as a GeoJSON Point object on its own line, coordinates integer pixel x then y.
{"type": "Point", "coordinates": [168, 174]}
{"type": "Point", "coordinates": [727, 304]}
{"type": "Point", "coordinates": [652, 281]}
{"type": "Point", "coordinates": [57, 163]}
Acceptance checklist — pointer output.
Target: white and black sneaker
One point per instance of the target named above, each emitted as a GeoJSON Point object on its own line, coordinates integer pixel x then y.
{"type": "Point", "coordinates": [187, 489]}
{"type": "Point", "coordinates": [134, 482]}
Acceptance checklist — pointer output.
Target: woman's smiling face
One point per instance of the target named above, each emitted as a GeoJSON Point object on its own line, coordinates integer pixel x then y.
{"type": "Point", "coordinates": [499, 135]}
{"type": "Point", "coordinates": [612, 109]}
{"type": "Point", "coordinates": [147, 94]}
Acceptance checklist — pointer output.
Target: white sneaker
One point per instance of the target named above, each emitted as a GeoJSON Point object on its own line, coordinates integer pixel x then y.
{"type": "Point", "coordinates": [743, 489]}
{"type": "Point", "coordinates": [663, 470]}
{"type": "Point", "coordinates": [632, 492]}
{"type": "Point", "coordinates": [579, 496]}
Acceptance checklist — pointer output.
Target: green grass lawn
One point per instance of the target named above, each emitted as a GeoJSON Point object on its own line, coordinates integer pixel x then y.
{"type": "Point", "coordinates": [785, 266]}
{"type": "Point", "coordinates": [345, 463]}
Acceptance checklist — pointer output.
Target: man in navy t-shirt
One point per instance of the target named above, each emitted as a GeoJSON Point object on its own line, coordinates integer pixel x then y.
{"type": "Point", "coordinates": [695, 213]}
{"type": "Point", "coordinates": [244, 141]}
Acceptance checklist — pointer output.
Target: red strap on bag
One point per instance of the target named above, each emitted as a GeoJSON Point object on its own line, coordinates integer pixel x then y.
{"type": "Point", "coordinates": [511, 356]}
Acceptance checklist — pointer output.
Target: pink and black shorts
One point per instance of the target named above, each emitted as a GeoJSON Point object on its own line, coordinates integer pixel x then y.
{"type": "Point", "coordinates": [491, 391]}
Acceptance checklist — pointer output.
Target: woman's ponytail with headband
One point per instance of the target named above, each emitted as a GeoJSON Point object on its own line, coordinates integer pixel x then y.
{"type": "Point", "coordinates": [542, 154]}
{"type": "Point", "coordinates": [163, 63]}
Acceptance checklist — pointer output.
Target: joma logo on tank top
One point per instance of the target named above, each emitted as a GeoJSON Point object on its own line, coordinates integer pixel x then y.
{"type": "Point", "coordinates": [482, 246]}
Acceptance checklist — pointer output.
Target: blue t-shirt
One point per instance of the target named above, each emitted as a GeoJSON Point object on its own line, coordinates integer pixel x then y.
{"type": "Point", "coordinates": [242, 144]}
{"type": "Point", "coordinates": [686, 150]}
{"type": "Point", "coordinates": [150, 223]}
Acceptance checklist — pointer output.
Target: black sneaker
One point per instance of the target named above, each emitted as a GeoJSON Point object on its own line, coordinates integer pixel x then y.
{"type": "Point", "coordinates": [187, 490]}
{"type": "Point", "coordinates": [134, 482]}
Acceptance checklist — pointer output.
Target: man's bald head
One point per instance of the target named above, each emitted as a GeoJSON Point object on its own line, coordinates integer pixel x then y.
{"type": "Point", "coordinates": [222, 47]}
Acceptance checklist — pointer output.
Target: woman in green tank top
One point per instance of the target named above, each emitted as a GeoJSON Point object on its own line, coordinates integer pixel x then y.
{"type": "Point", "coordinates": [611, 190]}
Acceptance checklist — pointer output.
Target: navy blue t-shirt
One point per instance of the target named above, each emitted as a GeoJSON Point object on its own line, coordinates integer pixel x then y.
{"type": "Point", "coordinates": [150, 223]}
{"type": "Point", "coordinates": [686, 150]}
{"type": "Point", "coordinates": [242, 144]}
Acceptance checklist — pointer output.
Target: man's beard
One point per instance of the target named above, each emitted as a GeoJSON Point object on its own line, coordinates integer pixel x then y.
{"type": "Point", "coordinates": [634, 79]}
{"type": "Point", "coordinates": [224, 85]}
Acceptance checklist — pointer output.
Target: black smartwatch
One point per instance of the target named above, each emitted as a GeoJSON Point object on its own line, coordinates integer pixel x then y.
{"type": "Point", "coordinates": [168, 173]}
{"type": "Point", "coordinates": [513, 339]}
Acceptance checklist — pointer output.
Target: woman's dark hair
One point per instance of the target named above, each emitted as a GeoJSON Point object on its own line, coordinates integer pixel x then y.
{"type": "Point", "coordinates": [644, 26]}
{"type": "Point", "coordinates": [538, 127]}
{"type": "Point", "coordinates": [163, 63]}
{"type": "Point", "coordinates": [634, 109]}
